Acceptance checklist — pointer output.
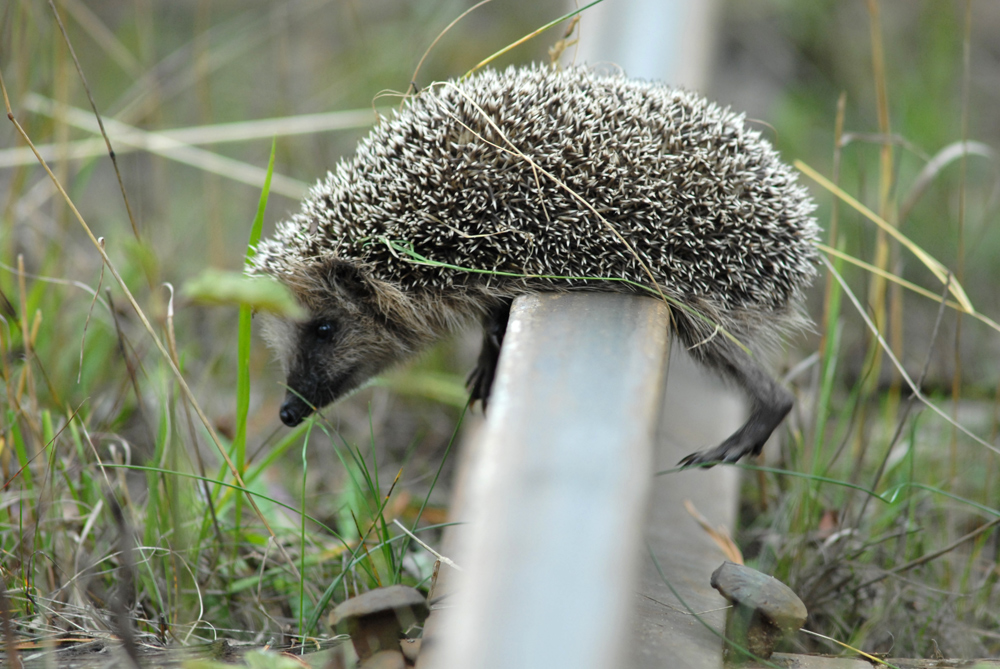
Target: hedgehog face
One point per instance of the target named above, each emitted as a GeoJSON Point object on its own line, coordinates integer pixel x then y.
{"type": "Point", "coordinates": [343, 343]}
{"type": "Point", "coordinates": [323, 366]}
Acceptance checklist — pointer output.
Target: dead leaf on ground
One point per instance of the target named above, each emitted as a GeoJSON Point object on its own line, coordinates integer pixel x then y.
{"type": "Point", "coordinates": [720, 535]}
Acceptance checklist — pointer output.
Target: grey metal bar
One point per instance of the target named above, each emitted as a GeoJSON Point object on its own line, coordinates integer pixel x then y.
{"type": "Point", "coordinates": [558, 494]}
{"type": "Point", "coordinates": [669, 40]}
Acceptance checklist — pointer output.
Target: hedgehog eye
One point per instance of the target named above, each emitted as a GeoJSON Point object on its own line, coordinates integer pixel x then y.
{"type": "Point", "coordinates": [324, 330]}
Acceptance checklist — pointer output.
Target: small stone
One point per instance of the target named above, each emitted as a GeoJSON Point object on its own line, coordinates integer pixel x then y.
{"type": "Point", "coordinates": [764, 608]}
{"type": "Point", "coordinates": [411, 648]}
{"type": "Point", "coordinates": [385, 659]}
{"type": "Point", "coordinates": [376, 619]}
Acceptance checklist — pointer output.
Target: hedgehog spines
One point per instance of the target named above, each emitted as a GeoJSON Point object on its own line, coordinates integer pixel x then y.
{"type": "Point", "coordinates": [509, 182]}
{"type": "Point", "coordinates": [692, 172]}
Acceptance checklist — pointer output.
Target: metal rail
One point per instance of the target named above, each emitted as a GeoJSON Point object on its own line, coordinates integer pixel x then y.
{"type": "Point", "coordinates": [558, 490]}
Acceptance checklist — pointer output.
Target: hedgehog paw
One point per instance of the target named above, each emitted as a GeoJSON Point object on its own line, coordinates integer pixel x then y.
{"type": "Point", "coordinates": [749, 439]}
{"type": "Point", "coordinates": [480, 381]}
{"type": "Point", "coordinates": [731, 450]}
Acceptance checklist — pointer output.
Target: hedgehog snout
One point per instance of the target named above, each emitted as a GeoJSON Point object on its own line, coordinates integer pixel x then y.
{"type": "Point", "coordinates": [294, 410]}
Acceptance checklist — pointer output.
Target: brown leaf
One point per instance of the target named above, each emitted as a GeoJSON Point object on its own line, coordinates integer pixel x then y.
{"type": "Point", "coordinates": [720, 535]}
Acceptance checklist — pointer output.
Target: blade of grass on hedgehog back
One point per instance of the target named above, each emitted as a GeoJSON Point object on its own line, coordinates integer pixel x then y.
{"type": "Point", "coordinates": [239, 445]}
{"type": "Point", "coordinates": [529, 36]}
{"type": "Point", "coordinates": [418, 259]}
{"type": "Point", "coordinates": [511, 148]}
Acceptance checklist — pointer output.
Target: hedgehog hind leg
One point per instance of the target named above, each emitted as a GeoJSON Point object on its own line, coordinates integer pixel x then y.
{"type": "Point", "coordinates": [480, 381]}
{"type": "Point", "coordinates": [771, 403]}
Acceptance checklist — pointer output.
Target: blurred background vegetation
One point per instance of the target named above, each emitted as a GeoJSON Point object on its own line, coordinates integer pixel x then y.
{"type": "Point", "coordinates": [83, 381]}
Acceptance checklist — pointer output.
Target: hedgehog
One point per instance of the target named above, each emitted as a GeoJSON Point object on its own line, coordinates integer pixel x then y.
{"type": "Point", "coordinates": [538, 179]}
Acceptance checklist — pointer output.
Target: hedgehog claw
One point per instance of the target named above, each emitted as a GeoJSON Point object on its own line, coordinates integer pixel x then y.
{"type": "Point", "coordinates": [725, 453]}
{"type": "Point", "coordinates": [771, 404]}
{"type": "Point", "coordinates": [748, 440]}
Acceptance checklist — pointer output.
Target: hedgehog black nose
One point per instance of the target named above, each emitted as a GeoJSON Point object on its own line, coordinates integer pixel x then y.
{"type": "Point", "coordinates": [289, 416]}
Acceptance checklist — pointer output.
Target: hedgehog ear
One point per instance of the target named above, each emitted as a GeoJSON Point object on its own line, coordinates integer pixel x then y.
{"type": "Point", "coordinates": [344, 276]}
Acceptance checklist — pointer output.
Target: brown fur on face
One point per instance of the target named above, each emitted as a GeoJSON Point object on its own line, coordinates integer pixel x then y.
{"type": "Point", "coordinates": [357, 328]}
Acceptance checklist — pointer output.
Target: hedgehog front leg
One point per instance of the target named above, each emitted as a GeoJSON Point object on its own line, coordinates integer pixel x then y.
{"type": "Point", "coordinates": [771, 403]}
{"type": "Point", "coordinates": [480, 381]}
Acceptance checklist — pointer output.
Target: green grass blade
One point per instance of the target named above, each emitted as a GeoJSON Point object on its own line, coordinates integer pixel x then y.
{"type": "Point", "coordinates": [437, 474]}
{"type": "Point", "coordinates": [302, 529]}
{"type": "Point", "coordinates": [243, 346]}
{"type": "Point", "coordinates": [232, 486]}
